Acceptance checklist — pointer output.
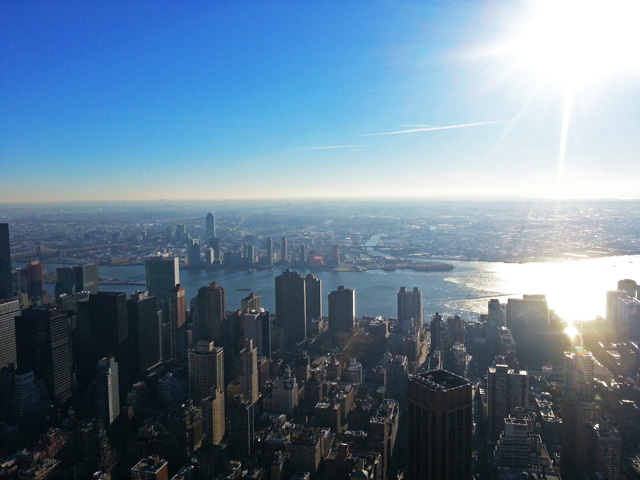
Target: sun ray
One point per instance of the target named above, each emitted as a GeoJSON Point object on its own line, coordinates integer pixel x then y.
{"type": "Point", "coordinates": [564, 133]}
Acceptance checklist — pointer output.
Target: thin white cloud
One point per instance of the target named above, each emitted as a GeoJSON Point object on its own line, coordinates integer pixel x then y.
{"type": "Point", "coordinates": [332, 147]}
{"type": "Point", "coordinates": [430, 129]}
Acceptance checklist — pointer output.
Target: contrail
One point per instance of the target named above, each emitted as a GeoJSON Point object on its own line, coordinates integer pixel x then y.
{"type": "Point", "coordinates": [430, 129]}
{"type": "Point", "coordinates": [331, 146]}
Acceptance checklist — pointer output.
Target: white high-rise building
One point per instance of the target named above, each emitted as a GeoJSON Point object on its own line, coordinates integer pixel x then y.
{"type": "Point", "coordinates": [285, 393]}
{"type": "Point", "coordinates": [107, 390]}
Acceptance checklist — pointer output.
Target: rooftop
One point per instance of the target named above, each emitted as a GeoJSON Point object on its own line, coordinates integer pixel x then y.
{"type": "Point", "coordinates": [440, 380]}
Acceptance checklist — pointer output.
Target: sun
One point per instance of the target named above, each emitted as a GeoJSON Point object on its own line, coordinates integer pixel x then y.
{"type": "Point", "coordinates": [572, 44]}
{"type": "Point", "coordinates": [575, 42]}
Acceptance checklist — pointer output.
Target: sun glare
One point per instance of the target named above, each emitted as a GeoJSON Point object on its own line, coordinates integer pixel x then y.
{"type": "Point", "coordinates": [577, 42]}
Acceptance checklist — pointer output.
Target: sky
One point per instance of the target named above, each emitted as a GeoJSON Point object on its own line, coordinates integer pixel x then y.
{"type": "Point", "coordinates": [360, 99]}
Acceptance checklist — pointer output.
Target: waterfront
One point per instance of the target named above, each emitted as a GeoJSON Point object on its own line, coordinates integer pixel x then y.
{"type": "Point", "coordinates": [574, 288]}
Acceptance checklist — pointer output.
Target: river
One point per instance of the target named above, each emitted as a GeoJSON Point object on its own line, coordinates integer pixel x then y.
{"type": "Point", "coordinates": [575, 288]}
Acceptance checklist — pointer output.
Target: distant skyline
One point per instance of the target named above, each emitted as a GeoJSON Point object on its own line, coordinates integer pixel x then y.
{"type": "Point", "coordinates": [250, 100]}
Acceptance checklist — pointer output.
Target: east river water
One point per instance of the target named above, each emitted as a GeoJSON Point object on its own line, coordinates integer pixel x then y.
{"type": "Point", "coordinates": [576, 289]}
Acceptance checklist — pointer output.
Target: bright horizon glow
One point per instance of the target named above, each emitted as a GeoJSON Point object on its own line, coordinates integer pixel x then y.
{"type": "Point", "coordinates": [113, 101]}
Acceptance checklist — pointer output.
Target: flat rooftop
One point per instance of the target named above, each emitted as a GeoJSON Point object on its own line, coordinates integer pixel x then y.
{"type": "Point", "coordinates": [441, 380]}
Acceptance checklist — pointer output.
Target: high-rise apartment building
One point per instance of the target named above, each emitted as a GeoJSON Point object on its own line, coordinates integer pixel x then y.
{"type": "Point", "coordinates": [440, 426]}
{"type": "Point", "coordinates": [285, 393]}
{"type": "Point", "coordinates": [579, 372]}
{"type": "Point", "coordinates": [410, 312]}
{"type": "Point", "coordinates": [240, 415]}
{"type": "Point", "coordinates": [604, 450]}
{"type": "Point", "coordinates": [5, 262]}
{"type": "Point", "coordinates": [507, 389]}
{"type": "Point", "coordinates": [211, 313]}
{"type": "Point", "coordinates": [291, 306]}
{"type": "Point", "coordinates": [629, 286]}
{"type": "Point", "coordinates": [107, 392]}
{"type": "Point", "coordinates": [206, 371]}
{"type": "Point", "coordinates": [250, 303]}
{"type": "Point", "coordinates": [342, 309]}
{"type": "Point", "coordinates": [213, 417]}
{"type": "Point", "coordinates": [313, 291]}
{"type": "Point", "coordinates": [9, 310]}
{"type": "Point", "coordinates": [163, 274]}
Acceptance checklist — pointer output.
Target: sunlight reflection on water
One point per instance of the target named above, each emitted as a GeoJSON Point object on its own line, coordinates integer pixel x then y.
{"type": "Point", "coordinates": [576, 289]}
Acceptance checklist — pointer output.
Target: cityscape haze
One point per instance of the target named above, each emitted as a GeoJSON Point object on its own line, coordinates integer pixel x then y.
{"type": "Point", "coordinates": [195, 194]}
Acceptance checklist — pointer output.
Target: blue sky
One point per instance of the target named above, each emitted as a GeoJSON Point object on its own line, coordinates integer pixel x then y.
{"type": "Point", "coordinates": [214, 100]}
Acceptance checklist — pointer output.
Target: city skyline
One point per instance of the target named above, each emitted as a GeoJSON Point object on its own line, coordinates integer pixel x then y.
{"type": "Point", "coordinates": [134, 102]}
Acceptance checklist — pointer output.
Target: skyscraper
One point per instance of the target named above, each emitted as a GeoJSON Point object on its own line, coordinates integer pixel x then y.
{"type": "Point", "coordinates": [313, 289]}
{"type": "Point", "coordinates": [249, 371]}
{"type": "Point", "coordinates": [284, 250]}
{"type": "Point", "coordinates": [410, 311]}
{"type": "Point", "coordinates": [145, 332]}
{"type": "Point", "coordinates": [43, 341]}
{"type": "Point", "coordinates": [440, 426]}
{"type": "Point", "coordinates": [256, 327]}
{"type": "Point", "coordinates": [103, 331]}
{"type": "Point", "coordinates": [210, 222]}
{"type": "Point", "coordinates": [211, 313]}
{"type": "Point", "coordinates": [9, 310]}
{"type": "Point", "coordinates": [342, 309]}
{"type": "Point", "coordinates": [214, 243]}
{"type": "Point", "coordinates": [438, 333]}
{"type": "Point", "coordinates": [249, 255]}
{"type": "Point", "coordinates": [35, 279]}
{"type": "Point", "coordinates": [291, 306]}
{"type": "Point", "coordinates": [579, 372]}
{"type": "Point", "coordinates": [194, 253]}
{"type": "Point", "coordinates": [629, 286]}
{"type": "Point", "coordinates": [177, 318]}
{"type": "Point", "coordinates": [5, 262]}
{"type": "Point", "coordinates": [213, 417]}
{"type": "Point", "coordinates": [206, 371]}
{"type": "Point", "coordinates": [241, 427]}
{"type": "Point", "coordinates": [335, 254]}
{"type": "Point", "coordinates": [107, 390]}
{"type": "Point", "coordinates": [86, 278]}
{"type": "Point", "coordinates": [507, 389]}
{"type": "Point", "coordinates": [269, 251]}
{"type": "Point", "coordinates": [163, 275]}
{"type": "Point", "coordinates": [65, 281]}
